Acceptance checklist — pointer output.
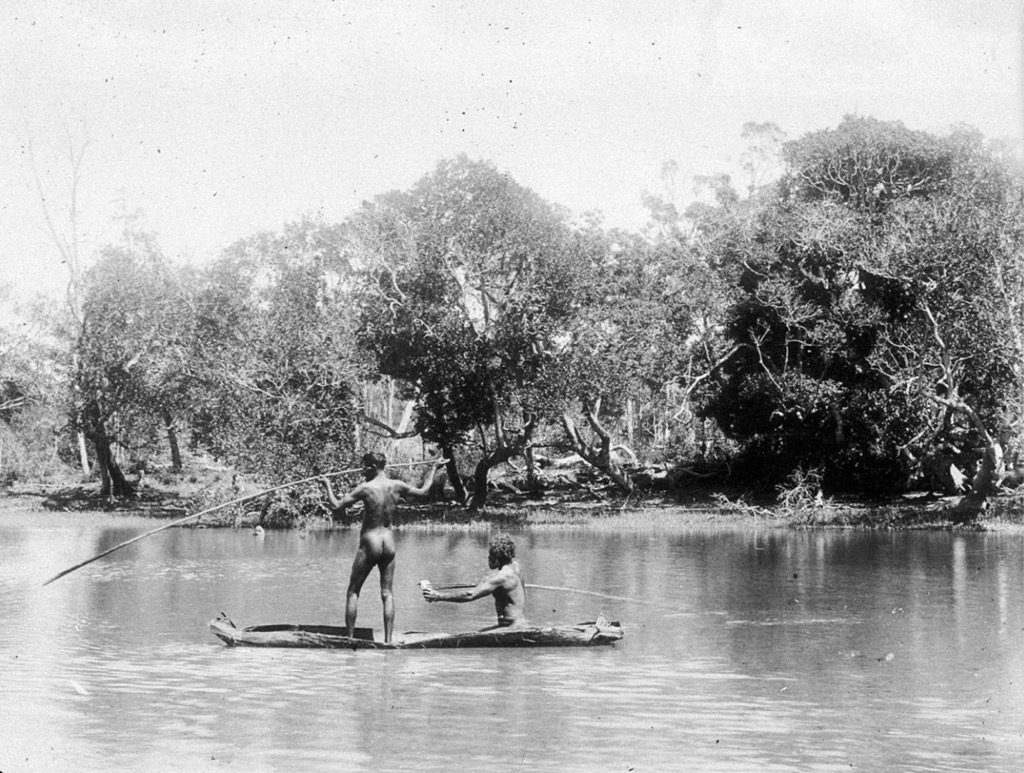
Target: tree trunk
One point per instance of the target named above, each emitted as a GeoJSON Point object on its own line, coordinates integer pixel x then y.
{"type": "Point", "coordinates": [602, 457]}
{"type": "Point", "coordinates": [987, 477]}
{"type": "Point", "coordinates": [629, 422]}
{"type": "Point", "coordinates": [503, 451]}
{"type": "Point", "coordinates": [533, 484]}
{"type": "Point", "coordinates": [498, 456]}
{"type": "Point", "coordinates": [453, 474]}
{"type": "Point", "coordinates": [983, 485]}
{"type": "Point", "coordinates": [83, 453]}
{"type": "Point", "coordinates": [391, 401]}
{"type": "Point", "coordinates": [112, 480]}
{"type": "Point", "coordinates": [172, 441]}
{"type": "Point", "coordinates": [402, 431]}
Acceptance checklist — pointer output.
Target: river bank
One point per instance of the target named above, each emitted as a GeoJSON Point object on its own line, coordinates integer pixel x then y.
{"type": "Point", "coordinates": [506, 509]}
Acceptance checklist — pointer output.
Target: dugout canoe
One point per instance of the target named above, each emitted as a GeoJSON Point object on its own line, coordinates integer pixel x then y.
{"type": "Point", "coordinates": [599, 632]}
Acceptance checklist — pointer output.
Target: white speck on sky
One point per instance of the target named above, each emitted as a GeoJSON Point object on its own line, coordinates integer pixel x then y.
{"type": "Point", "coordinates": [220, 118]}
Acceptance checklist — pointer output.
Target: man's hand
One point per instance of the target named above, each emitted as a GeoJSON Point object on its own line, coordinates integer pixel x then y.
{"type": "Point", "coordinates": [429, 594]}
{"type": "Point", "coordinates": [332, 500]}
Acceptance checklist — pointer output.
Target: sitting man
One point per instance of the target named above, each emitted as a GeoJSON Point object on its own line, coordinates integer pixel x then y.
{"type": "Point", "coordinates": [504, 582]}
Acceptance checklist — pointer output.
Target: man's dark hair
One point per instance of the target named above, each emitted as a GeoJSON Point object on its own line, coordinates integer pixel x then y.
{"type": "Point", "coordinates": [375, 460]}
{"type": "Point", "coordinates": [502, 550]}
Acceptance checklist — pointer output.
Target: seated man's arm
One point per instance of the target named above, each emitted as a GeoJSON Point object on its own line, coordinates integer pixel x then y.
{"type": "Point", "coordinates": [486, 587]}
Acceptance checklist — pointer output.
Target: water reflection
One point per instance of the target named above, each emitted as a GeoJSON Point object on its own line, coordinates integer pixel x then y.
{"type": "Point", "coordinates": [769, 649]}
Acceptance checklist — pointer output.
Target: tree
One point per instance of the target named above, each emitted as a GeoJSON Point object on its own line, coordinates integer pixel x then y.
{"type": "Point", "coordinates": [274, 373]}
{"type": "Point", "coordinates": [762, 160]}
{"type": "Point", "coordinates": [954, 262]}
{"type": "Point", "coordinates": [693, 255]}
{"type": "Point", "coordinates": [128, 354]}
{"type": "Point", "coordinates": [31, 388]}
{"type": "Point", "coordinates": [882, 249]}
{"type": "Point", "coordinates": [624, 344]}
{"type": "Point", "coordinates": [471, 278]}
{"type": "Point", "coordinates": [66, 238]}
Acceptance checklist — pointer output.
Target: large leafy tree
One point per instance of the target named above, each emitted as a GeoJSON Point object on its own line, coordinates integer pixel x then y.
{"type": "Point", "coordinates": [952, 264]}
{"type": "Point", "coordinates": [630, 339]}
{"type": "Point", "coordinates": [860, 282]}
{"type": "Point", "coordinates": [472, 277]}
{"type": "Point", "coordinates": [867, 164]}
{"type": "Point", "coordinates": [129, 353]}
{"type": "Point", "coordinates": [274, 372]}
{"type": "Point", "coordinates": [693, 255]}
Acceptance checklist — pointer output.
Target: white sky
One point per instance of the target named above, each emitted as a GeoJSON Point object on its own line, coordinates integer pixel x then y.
{"type": "Point", "coordinates": [220, 118]}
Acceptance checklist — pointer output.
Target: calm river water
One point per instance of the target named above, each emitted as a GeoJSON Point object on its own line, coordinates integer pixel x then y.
{"type": "Point", "coordinates": [761, 650]}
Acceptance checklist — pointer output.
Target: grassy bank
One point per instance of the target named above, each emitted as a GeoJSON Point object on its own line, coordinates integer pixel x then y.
{"type": "Point", "coordinates": [182, 496]}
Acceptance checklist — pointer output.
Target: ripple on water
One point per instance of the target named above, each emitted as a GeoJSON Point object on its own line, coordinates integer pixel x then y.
{"type": "Point", "coordinates": [114, 668]}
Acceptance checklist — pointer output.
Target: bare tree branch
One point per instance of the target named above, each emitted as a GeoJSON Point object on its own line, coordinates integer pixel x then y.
{"type": "Point", "coordinates": [391, 431]}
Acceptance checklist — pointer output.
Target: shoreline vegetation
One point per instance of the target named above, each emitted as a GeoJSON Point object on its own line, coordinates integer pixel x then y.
{"type": "Point", "coordinates": [175, 497]}
{"type": "Point", "coordinates": [848, 329]}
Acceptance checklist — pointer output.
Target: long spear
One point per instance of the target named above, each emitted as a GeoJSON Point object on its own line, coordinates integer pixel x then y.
{"type": "Point", "coordinates": [428, 584]}
{"type": "Point", "coordinates": [238, 501]}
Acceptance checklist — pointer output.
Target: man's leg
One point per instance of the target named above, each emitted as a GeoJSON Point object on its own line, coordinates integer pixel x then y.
{"type": "Point", "coordinates": [361, 567]}
{"type": "Point", "coordinates": [387, 578]}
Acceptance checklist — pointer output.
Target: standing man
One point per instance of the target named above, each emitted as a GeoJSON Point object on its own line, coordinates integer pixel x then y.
{"type": "Point", "coordinates": [504, 582]}
{"type": "Point", "coordinates": [380, 496]}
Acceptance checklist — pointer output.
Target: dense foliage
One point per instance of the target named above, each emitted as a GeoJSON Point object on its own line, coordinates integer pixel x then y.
{"type": "Point", "coordinates": [856, 322]}
{"type": "Point", "coordinates": [31, 385]}
{"type": "Point", "coordinates": [129, 354]}
{"type": "Point", "coordinates": [471, 279]}
{"type": "Point", "coordinates": [273, 373]}
{"type": "Point", "coordinates": [882, 278]}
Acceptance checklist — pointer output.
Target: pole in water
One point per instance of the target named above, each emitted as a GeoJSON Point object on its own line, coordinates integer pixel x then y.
{"type": "Point", "coordinates": [592, 593]}
{"type": "Point", "coordinates": [238, 501]}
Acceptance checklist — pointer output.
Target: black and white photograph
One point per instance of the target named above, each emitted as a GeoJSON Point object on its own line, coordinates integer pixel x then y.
{"type": "Point", "coordinates": [512, 386]}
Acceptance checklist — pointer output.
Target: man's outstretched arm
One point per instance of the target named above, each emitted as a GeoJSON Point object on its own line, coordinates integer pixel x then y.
{"type": "Point", "coordinates": [339, 504]}
{"type": "Point", "coordinates": [486, 587]}
{"type": "Point", "coordinates": [428, 482]}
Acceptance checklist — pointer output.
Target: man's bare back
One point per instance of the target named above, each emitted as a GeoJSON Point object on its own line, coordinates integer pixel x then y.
{"type": "Point", "coordinates": [509, 594]}
{"type": "Point", "coordinates": [380, 496]}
